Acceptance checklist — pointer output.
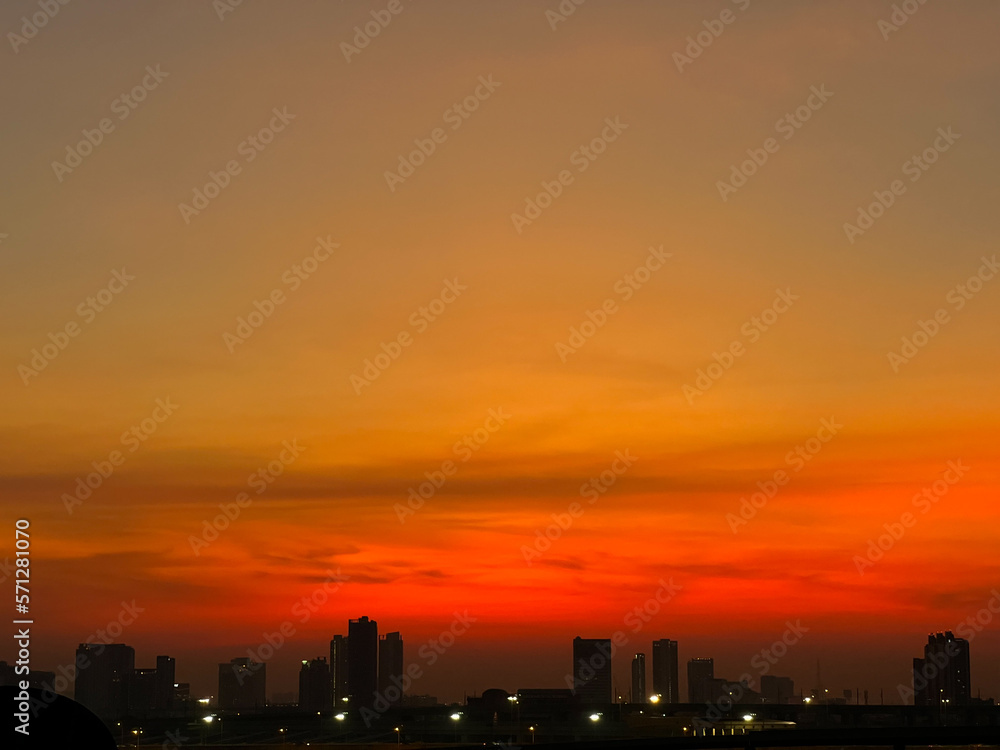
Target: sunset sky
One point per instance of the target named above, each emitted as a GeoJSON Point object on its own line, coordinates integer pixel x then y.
{"type": "Point", "coordinates": [387, 256]}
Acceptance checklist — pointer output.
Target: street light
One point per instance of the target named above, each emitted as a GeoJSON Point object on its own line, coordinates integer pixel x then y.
{"type": "Point", "coordinates": [455, 717]}
{"type": "Point", "coordinates": [595, 717]}
{"type": "Point", "coordinates": [212, 717]}
{"type": "Point", "coordinates": [513, 702]}
{"type": "Point", "coordinates": [532, 730]}
{"type": "Point", "coordinates": [399, 740]}
{"type": "Point", "coordinates": [747, 717]}
{"type": "Point", "coordinates": [654, 699]}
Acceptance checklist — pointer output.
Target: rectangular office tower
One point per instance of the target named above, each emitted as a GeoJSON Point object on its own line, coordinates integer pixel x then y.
{"type": "Point", "coordinates": [103, 676]}
{"type": "Point", "coordinates": [638, 679]}
{"type": "Point", "coordinates": [166, 667]}
{"type": "Point", "coordinates": [362, 662]}
{"type": "Point", "coordinates": [701, 673]}
{"type": "Point", "coordinates": [315, 688]}
{"type": "Point", "coordinates": [390, 668]}
{"type": "Point", "coordinates": [151, 690]}
{"type": "Point", "coordinates": [592, 670]}
{"type": "Point", "coordinates": [242, 683]}
{"type": "Point", "coordinates": [338, 668]}
{"type": "Point", "coordinates": [142, 692]}
{"type": "Point", "coordinates": [666, 682]}
{"type": "Point", "coordinates": [942, 676]}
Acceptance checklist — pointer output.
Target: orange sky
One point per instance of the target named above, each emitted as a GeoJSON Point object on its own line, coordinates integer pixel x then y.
{"type": "Point", "coordinates": [493, 345]}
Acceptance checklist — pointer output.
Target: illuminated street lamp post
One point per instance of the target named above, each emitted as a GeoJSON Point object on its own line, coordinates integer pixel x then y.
{"type": "Point", "coordinates": [455, 717]}
{"type": "Point", "coordinates": [513, 703]}
{"type": "Point", "coordinates": [594, 718]}
{"type": "Point", "coordinates": [208, 723]}
{"type": "Point", "coordinates": [399, 739]}
{"type": "Point", "coordinates": [532, 730]}
{"type": "Point", "coordinates": [211, 718]}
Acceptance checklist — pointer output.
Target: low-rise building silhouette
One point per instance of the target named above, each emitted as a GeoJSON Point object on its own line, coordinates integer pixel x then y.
{"type": "Point", "coordinates": [778, 690]}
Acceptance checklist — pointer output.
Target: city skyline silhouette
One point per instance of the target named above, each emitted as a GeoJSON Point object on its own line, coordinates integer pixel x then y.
{"type": "Point", "coordinates": [503, 324]}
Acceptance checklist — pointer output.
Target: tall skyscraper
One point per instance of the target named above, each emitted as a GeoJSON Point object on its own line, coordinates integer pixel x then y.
{"type": "Point", "coordinates": [701, 673]}
{"type": "Point", "coordinates": [666, 682]}
{"type": "Point", "coordinates": [942, 676]}
{"type": "Point", "coordinates": [152, 690]}
{"type": "Point", "coordinates": [103, 675]}
{"type": "Point", "coordinates": [390, 668]}
{"type": "Point", "coordinates": [638, 679]}
{"type": "Point", "coordinates": [592, 670]}
{"type": "Point", "coordinates": [142, 691]}
{"type": "Point", "coordinates": [362, 662]}
{"type": "Point", "coordinates": [315, 688]}
{"type": "Point", "coordinates": [242, 684]}
{"type": "Point", "coordinates": [338, 668]}
{"type": "Point", "coordinates": [165, 675]}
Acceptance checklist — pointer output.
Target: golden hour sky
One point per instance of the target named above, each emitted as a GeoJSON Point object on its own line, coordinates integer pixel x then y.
{"type": "Point", "coordinates": [642, 236]}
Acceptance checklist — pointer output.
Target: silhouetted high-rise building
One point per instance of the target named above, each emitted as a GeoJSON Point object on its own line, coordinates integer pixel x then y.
{"type": "Point", "coordinates": [701, 673]}
{"type": "Point", "coordinates": [592, 670]}
{"type": "Point", "coordinates": [921, 683]}
{"type": "Point", "coordinates": [666, 682]}
{"type": "Point", "coordinates": [242, 684]}
{"type": "Point", "coordinates": [942, 676]}
{"type": "Point", "coordinates": [638, 679]}
{"type": "Point", "coordinates": [362, 662]}
{"type": "Point", "coordinates": [152, 689]}
{"type": "Point", "coordinates": [142, 691]}
{"type": "Point", "coordinates": [338, 668]}
{"type": "Point", "coordinates": [165, 675]}
{"type": "Point", "coordinates": [390, 668]}
{"type": "Point", "coordinates": [103, 675]}
{"type": "Point", "coordinates": [778, 690]}
{"type": "Point", "coordinates": [315, 689]}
